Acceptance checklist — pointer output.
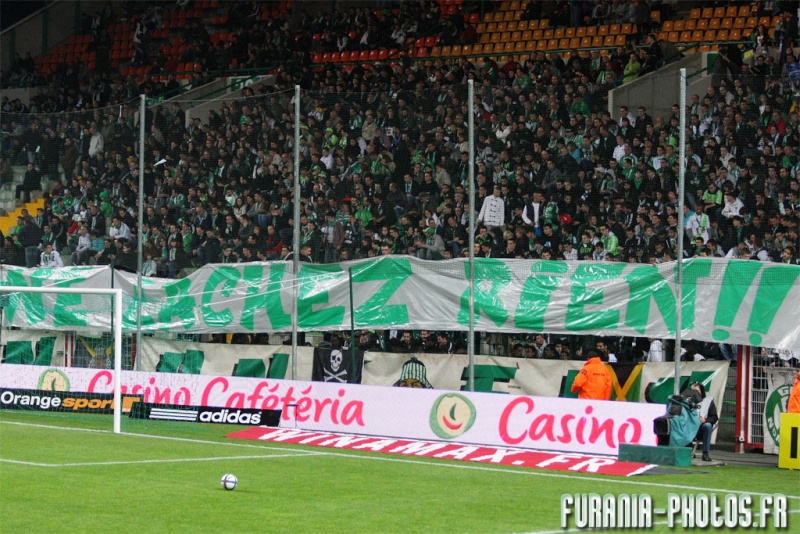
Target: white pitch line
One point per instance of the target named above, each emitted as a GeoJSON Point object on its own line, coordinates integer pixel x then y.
{"type": "Point", "coordinates": [187, 440]}
{"type": "Point", "coordinates": [451, 465]}
{"type": "Point", "coordinates": [162, 461]}
{"type": "Point", "coordinates": [20, 462]}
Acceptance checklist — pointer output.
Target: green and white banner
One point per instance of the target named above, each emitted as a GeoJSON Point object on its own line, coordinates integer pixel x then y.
{"type": "Point", "coordinates": [732, 301]}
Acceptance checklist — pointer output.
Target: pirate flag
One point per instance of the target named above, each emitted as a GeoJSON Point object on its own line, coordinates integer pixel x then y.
{"type": "Point", "coordinates": [336, 365]}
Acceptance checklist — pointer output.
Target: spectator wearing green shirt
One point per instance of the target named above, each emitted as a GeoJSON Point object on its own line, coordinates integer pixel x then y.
{"type": "Point", "coordinates": [712, 198]}
{"type": "Point", "coordinates": [609, 240]}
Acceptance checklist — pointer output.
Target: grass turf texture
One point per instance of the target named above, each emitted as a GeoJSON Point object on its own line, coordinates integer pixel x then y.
{"type": "Point", "coordinates": [136, 483]}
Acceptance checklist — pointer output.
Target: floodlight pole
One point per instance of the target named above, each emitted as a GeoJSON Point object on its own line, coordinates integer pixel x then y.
{"type": "Point", "coordinates": [296, 229]}
{"type": "Point", "coordinates": [140, 240]}
{"type": "Point", "coordinates": [679, 251]}
{"type": "Point", "coordinates": [471, 281]}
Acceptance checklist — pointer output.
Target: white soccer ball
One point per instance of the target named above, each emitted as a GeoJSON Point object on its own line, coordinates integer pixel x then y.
{"type": "Point", "coordinates": [229, 481]}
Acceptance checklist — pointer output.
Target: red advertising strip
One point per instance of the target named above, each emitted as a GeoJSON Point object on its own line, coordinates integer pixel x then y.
{"type": "Point", "coordinates": [570, 462]}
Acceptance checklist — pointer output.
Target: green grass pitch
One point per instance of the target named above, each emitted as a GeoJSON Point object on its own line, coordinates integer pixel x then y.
{"type": "Point", "coordinates": [71, 474]}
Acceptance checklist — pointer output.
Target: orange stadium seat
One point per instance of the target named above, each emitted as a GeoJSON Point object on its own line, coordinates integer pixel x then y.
{"type": "Point", "coordinates": [707, 13]}
{"type": "Point", "coordinates": [719, 12]}
{"type": "Point", "coordinates": [722, 35]}
{"type": "Point", "coordinates": [744, 11]}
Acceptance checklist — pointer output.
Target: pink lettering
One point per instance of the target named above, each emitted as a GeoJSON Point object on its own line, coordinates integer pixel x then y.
{"type": "Point", "coordinates": [301, 409]}
{"type": "Point", "coordinates": [236, 400]}
{"type": "Point", "coordinates": [320, 408]}
{"type": "Point", "coordinates": [566, 428]}
{"type": "Point", "coordinates": [95, 384]}
{"type": "Point", "coordinates": [565, 436]}
{"type": "Point", "coordinates": [353, 413]}
{"type": "Point", "coordinates": [636, 430]}
{"type": "Point", "coordinates": [543, 426]}
{"type": "Point", "coordinates": [210, 388]}
{"type": "Point", "coordinates": [506, 415]}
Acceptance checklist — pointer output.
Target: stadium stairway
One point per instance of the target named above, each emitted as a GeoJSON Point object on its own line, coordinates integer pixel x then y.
{"type": "Point", "coordinates": [9, 220]}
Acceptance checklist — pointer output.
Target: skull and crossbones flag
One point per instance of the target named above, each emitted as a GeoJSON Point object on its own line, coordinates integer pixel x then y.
{"type": "Point", "coordinates": [336, 365]}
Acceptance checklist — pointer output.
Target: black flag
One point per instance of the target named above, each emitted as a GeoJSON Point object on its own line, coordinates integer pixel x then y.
{"type": "Point", "coordinates": [336, 365]}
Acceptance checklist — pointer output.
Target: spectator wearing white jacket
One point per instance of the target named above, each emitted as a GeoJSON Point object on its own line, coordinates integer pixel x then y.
{"type": "Point", "coordinates": [698, 224]}
{"type": "Point", "coordinates": [50, 257]}
{"type": "Point", "coordinates": [733, 206]}
{"type": "Point", "coordinates": [493, 210]}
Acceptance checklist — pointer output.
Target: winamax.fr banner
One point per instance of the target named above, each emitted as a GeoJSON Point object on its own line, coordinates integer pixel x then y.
{"type": "Point", "coordinates": [652, 382]}
{"type": "Point", "coordinates": [735, 301]}
{"type": "Point", "coordinates": [779, 388]}
{"type": "Point", "coordinates": [520, 421]}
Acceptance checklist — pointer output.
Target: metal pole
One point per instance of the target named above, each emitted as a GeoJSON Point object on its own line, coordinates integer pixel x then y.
{"type": "Point", "coordinates": [352, 328]}
{"type": "Point", "coordinates": [140, 240]}
{"type": "Point", "coordinates": [471, 281]}
{"type": "Point", "coordinates": [296, 236]}
{"type": "Point", "coordinates": [679, 266]}
{"type": "Point", "coordinates": [118, 360]}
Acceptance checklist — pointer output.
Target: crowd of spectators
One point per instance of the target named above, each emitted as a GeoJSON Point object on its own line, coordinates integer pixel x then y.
{"type": "Point", "coordinates": [384, 169]}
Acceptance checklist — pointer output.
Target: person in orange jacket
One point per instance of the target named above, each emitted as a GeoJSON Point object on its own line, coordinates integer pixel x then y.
{"type": "Point", "coordinates": [594, 380]}
{"type": "Point", "coordinates": [794, 398]}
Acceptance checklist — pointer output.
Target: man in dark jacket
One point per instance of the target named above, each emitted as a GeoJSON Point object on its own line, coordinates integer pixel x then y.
{"type": "Point", "coordinates": [32, 182]}
{"type": "Point", "coordinates": [708, 418]}
{"type": "Point", "coordinates": [31, 238]}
